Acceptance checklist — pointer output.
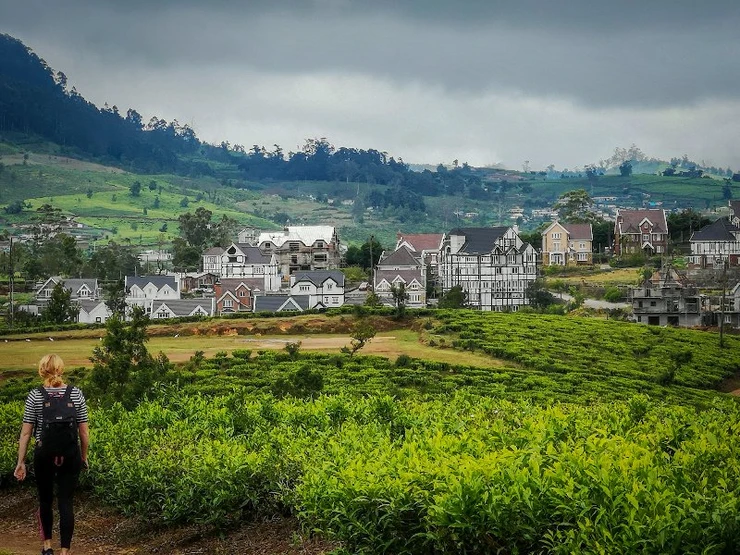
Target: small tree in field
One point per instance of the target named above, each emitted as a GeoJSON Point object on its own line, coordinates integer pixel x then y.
{"type": "Point", "coordinates": [400, 296]}
{"type": "Point", "coordinates": [123, 370]}
{"type": "Point", "coordinates": [362, 333]}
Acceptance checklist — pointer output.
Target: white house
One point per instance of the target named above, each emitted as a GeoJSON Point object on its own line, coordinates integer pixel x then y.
{"type": "Point", "coordinates": [79, 289]}
{"type": "Point", "coordinates": [492, 265]}
{"type": "Point", "coordinates": [401, 267]}
{"type": "Point", "coordinates": [178, 308]}
{"type": "Point", "coordinates": [241, 260]}
{"type": "Point", "coordinates": [144, 290]}
{"type": "Point", "coordinates": [325, 287]}
{"type": "Point", "coordinates": [93, 312]}
{"type": "Point", "coordinates": [718, 244]}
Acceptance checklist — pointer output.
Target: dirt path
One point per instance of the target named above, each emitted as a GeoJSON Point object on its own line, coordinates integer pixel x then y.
{"type": "Point", "coordinates": [100, 529]}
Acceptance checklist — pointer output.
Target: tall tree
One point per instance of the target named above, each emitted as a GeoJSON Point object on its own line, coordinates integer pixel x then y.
{"type": "Point", "coordinates": [400, 297]}
{"type": "Point", "coordinates": [575, 206]}
{"type": "Point", "coordinates": [60, 309]}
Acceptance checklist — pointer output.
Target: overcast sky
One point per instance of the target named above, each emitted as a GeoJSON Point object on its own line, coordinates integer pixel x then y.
{"type": "Point", "coordinates": [482, 81]}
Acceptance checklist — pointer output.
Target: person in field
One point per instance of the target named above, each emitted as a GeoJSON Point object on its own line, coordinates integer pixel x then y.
{"type": "Point", "coordinates": [56, 415]}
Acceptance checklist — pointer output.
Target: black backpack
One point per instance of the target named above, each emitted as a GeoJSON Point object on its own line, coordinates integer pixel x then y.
{"type": "Point", "coordinates": [58, 424]}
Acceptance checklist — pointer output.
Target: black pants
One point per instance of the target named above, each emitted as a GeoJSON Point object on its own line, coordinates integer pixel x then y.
{"type": "Point", "coordinates": [64, 471]}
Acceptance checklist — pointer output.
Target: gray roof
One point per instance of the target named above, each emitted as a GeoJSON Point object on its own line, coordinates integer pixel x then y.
{"type": "Point", "coordinates": [88, 305]}
{"type": "Point", "coordinates": [407, 275]}
{"type": "Point", "coordinates": [254, 254]}
{"type": "Point", "coordinates": [184, 307]}
{"type": "Point", "coordinates": [317, 277]}
{"type": "Point", "coordinates": [272, 303]}
{"type": "Point", "coordinates": [213, 251]}
{"type": "Point", "coordinates": [157, 281]}
{"type": "Point", "coordinates": [399, 257]}
{"type": "Point", "coordinates": [719, 230]}
{"type": "Point", "coordinates": [479, 239]}
{"type": "Point", "coordinates": [74, 284]}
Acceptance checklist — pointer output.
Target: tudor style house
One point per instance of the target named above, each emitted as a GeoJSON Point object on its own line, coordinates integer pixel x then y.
{"type": "Point", "coordinates": [567, 245]}
{"type": "Point", "coordinates": [241, 260]}
{"type": "Point", "coordinates": [144, 290]}
{"type": "Point", "coordinates": [492, 265]}
{"type": "Point", "coordinates": [401, 267]}
{"type": "Point", "coordinates": [718, 244]}
{"type": "Point", "coordinates": [640, 231]}
{"type": "Point", "coordinates": [236, 294]}
{"type": "Point", "coordinates": [300, 248]}
{"type": "Point", "coordinates": [667, 298]}
{"type": "Point", "coordinates": [324, 288]}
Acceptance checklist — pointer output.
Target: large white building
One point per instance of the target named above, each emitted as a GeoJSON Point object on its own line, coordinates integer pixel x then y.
{"type": "Point", "coordinates": [299, 248]}
{"type": "Point", "coordinates": [241, 260]}
{"type": "Point", "coordinates": [143, 291]}
{"type": "Point", "coordinates": [492, 265]}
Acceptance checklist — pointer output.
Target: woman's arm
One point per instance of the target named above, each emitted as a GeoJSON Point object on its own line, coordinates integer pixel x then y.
{"type": "Point", "coordinates": [84, 430]}
{"type": "Point", "coordinates": [20, 469]}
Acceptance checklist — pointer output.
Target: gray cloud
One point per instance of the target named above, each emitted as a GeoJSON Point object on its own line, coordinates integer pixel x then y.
{"type": "Point", "coordinates": [497, 79]}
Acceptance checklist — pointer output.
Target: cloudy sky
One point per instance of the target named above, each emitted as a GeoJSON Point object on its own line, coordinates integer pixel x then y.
{"type": "Point", "coordinates": [482, 81]}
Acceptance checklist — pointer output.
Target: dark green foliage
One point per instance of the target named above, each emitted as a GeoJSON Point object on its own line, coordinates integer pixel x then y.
{"type": "Point", "coordinates": [304, 383]}
{"type": "Point", "coordinates": [123, 370]}
{"type": "Point", "coordinates": [538, 295]}
{"type": "Point", "coordinates": [135, 189]}
{"type": "Point", "coordinates": [454, 298]}
{"type": "Point", "coordinates": [60, 308]}
{"type": "Point", "coordinates": [360, 256]}
{"type": "Point", "coordinates": [612, 294]}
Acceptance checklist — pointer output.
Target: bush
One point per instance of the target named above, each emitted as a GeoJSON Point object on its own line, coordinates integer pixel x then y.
{"type": "Point", "coordinates": [612, 294]}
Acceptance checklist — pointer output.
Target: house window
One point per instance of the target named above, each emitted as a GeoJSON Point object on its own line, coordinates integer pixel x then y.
{"type": "Point", "coordinates": [242, 293]}
{"type": "Point", "coordinates": [556, 235]}
{"type": "Point", "coordinates": [303, 288]}
{"type": "Point", "coordinates": [329, 286]}
{"type": "Point", "coordinates": [335, 300]}
{"type": "Point", "coordinates": [98, 320]}
{"type": "Point", "coordinates": [646, 237]}
{"type": "Point", "coordinates": [228, 303]}
{"type": "Point", "coordinates": [294, 259]}
{"type": "Point", "coordinates": [556, 246]}
{"type": "Point", "coordinates": [581, 246]}
{"type": "Point", "coordinates": [653, 303]}
{"type": "Point", "coordinates": [294, 246]}
{"type": "Point", "coordinates": [319, 244]}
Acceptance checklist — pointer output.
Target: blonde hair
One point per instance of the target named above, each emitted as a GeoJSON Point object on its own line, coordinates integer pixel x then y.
{"type": "Point", "coordinates": [51, 368]}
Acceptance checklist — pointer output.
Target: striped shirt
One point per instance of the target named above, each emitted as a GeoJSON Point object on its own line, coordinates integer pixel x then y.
{"type": "Point", "coordinates": [32, 414]}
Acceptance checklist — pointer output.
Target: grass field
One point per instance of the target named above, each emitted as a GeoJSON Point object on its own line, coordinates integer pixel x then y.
{"type": "Point", "coordinates": [24, 355]}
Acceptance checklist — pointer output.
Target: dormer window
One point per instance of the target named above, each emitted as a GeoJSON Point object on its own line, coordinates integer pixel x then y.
{"type": "Point", "coordinates": [232, 250]}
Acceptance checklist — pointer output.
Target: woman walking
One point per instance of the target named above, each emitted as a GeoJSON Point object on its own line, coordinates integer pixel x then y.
{"type": "Point", "coordinates": [56, 414]}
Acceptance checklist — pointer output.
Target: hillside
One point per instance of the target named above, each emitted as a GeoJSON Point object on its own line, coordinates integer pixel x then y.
{"type": "Point", "coordinates": [56, 148]}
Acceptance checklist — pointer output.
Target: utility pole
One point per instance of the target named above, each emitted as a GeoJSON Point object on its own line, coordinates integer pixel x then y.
{"type": "Point", "coordinates": [11, 271]}
{"type": "Point", "coordinates": [722, 304]}
{"type": "Point", "coordinates": [372, 269]}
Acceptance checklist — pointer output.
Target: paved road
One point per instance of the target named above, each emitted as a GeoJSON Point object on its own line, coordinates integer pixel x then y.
{"type": "Point", "coordinates": [593, 303]}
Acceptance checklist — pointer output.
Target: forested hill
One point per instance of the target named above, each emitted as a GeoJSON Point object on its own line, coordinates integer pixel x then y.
{"type": "Point", "coordinates": [36, 100]}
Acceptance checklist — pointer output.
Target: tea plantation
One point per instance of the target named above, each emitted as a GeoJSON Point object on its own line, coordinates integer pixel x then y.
{"type": "Point", "coordinates": [600, 437]}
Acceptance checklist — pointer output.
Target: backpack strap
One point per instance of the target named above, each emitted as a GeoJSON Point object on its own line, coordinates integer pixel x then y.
{"type": "Point", "coordinates": [68, 393]}
{"type": "Point", "coordinates": [44, 393]}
